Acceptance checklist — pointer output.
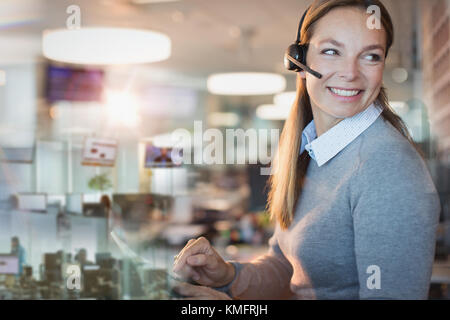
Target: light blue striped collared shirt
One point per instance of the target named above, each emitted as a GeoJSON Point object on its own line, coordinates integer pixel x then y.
{"type": "Point", "coordinates": [329, 144]}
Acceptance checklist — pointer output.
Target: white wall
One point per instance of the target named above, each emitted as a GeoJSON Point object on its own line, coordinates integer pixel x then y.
{"type": "Point", "coordinates": [18, 121]}
{"type": "Point", "coordinates": [18, 106]}
{"type": "Point", "coordinates": [51, 167]}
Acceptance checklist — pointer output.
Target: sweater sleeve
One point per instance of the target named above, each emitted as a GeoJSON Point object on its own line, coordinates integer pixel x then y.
{"type": "Point", "coordinates": [266, 277]}
{"type": "Point", "coordinates": [395, 209]}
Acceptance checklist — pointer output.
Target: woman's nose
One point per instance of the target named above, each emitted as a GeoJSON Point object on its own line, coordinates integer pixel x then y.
{"type": "Point", "coordinates": [349, 69]}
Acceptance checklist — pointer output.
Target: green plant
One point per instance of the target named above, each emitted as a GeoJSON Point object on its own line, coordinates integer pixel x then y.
{"type": "Point", "coordinates": [100, 182]}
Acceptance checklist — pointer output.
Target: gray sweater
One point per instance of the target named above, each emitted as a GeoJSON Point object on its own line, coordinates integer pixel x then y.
{"type": "Point", "coordinates": [364, 228]}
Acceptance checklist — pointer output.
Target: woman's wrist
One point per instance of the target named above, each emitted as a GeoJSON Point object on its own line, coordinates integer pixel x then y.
{"type": "Point", "coordinates": [229, 275]}
{"type": "Point", "coordinates": [235, 269]}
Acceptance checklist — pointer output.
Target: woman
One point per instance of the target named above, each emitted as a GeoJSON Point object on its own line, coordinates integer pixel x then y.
{"type": "Point", "coordinates": [355, 207]}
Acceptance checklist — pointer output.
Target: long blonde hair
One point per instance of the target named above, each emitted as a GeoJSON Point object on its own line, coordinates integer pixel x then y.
{"type": "Point", "coordinates": [286, 184]}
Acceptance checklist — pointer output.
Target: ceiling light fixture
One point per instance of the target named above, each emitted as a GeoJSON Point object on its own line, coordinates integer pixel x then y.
{"type": "Point", "coordinates": [152, 1]}
{"type": "Point", "coordinates": [246, 83]}
{"type": "Point", "coordinates": [105, 46]}
{"type": "Point", "coordinates": [285, 98]}
{"type": "Point", "coordinates": [400, 75]}
{"type": "Point", "coordinates": [400, 107]}
{"type": "Point", "coordinates": [223, 119]}
{"type": "Point", "coordinates": [273, 112]}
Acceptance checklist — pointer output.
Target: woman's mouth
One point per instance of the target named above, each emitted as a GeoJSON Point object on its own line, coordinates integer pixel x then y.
{"type": "Point", "coordinates": [346, 94]}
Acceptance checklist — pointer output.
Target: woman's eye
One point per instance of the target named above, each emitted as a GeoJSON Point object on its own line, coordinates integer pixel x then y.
{"type": "Point", "coordinates": [329, 52]}
{"type": "Point", "coordinates": [374, 57]}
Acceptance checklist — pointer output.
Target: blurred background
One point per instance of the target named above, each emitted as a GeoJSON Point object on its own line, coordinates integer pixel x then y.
{"type": "Point", "coordinates": [90, 92]}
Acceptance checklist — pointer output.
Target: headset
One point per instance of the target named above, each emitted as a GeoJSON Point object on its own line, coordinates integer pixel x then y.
{"type": "Point", "coordinates": [295, 56]}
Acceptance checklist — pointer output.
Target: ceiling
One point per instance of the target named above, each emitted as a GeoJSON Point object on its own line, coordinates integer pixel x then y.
{"type": "Point", "coordinates": [207, 35]}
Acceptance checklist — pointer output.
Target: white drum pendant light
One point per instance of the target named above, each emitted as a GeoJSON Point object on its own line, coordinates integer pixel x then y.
{"type": "Point", "coordinates": [285, 98]}
{"type": "Point", "coordinates": [105, 46]}
{"type": "Point", "coordinates": [246, 83]}
{"type": "Point", "coordinates": [273, 112]}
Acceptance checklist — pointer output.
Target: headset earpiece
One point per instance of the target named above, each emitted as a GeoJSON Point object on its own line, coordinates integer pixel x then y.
{"type": "Point", "coordinates": [295, 55]}
{"type": "Point", "coordinates": [297, 52]}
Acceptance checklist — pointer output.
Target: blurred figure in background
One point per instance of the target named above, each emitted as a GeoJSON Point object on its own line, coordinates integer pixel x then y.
{"type": "Point", "coordinates": [13, 202]}
{"type": "Point", "coordinates": [19, 251]}
{"type": "Point", "coordinates": [81, 258]}
{"type": "Point", "coordinates": [106, 202]}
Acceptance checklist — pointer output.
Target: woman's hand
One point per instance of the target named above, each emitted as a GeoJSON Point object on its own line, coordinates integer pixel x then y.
{"type": "Point", "coordinates": [200, 262]}
{"type": "Point", "coordinates": [192, 292]}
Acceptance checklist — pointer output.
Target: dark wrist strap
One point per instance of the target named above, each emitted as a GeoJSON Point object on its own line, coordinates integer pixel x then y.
{"type": "Point", "coordinates": [227, 288]}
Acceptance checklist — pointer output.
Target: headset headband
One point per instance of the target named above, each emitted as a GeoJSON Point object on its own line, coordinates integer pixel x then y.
{"type": "Point", "coordinates": [301, 24]}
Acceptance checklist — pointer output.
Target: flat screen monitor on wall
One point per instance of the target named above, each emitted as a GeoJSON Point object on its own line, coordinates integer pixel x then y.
{"type": "Point", "coordinates": [9, 264]}
{"type": "Point", "coordinates": [160, 157]}
{"type": "Point", "coordinates": [74, 84]}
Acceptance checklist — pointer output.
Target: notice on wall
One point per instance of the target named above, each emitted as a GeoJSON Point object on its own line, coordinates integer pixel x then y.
{"type": "Point", "coordinates": [99, 152]}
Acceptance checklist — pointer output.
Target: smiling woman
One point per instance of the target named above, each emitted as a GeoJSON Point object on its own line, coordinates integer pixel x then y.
{"type": "Point", "coordinates": [339, 46]}
{"type": "Point", "coordinates": [359, 221]}
{"type": "Point", "coordinates": [353, 63]}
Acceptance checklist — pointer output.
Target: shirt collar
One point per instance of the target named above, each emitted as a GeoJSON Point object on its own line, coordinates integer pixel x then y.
{"type": "Point", "coordinates": [329, 144]}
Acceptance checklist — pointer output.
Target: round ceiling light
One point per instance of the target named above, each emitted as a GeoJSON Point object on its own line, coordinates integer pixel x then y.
{"type": "Point", "coordinates": [246, 83]}
{"type": "Point", "coordinates": [400, 75]}
{"type": "Point", "coordinates": [105, 46]}
{"type": "Point", "coordinates": [285, 98]}
{"type": "Point", "coordinates": [273, 112]}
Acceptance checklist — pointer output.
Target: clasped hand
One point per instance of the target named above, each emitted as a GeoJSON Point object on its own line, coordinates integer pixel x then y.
{"type": "Point", "coordinates": [199, 262]}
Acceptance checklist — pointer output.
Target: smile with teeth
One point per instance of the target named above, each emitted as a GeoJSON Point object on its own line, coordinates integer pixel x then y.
{"type": "Point", "coordinates": [345, 93]}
